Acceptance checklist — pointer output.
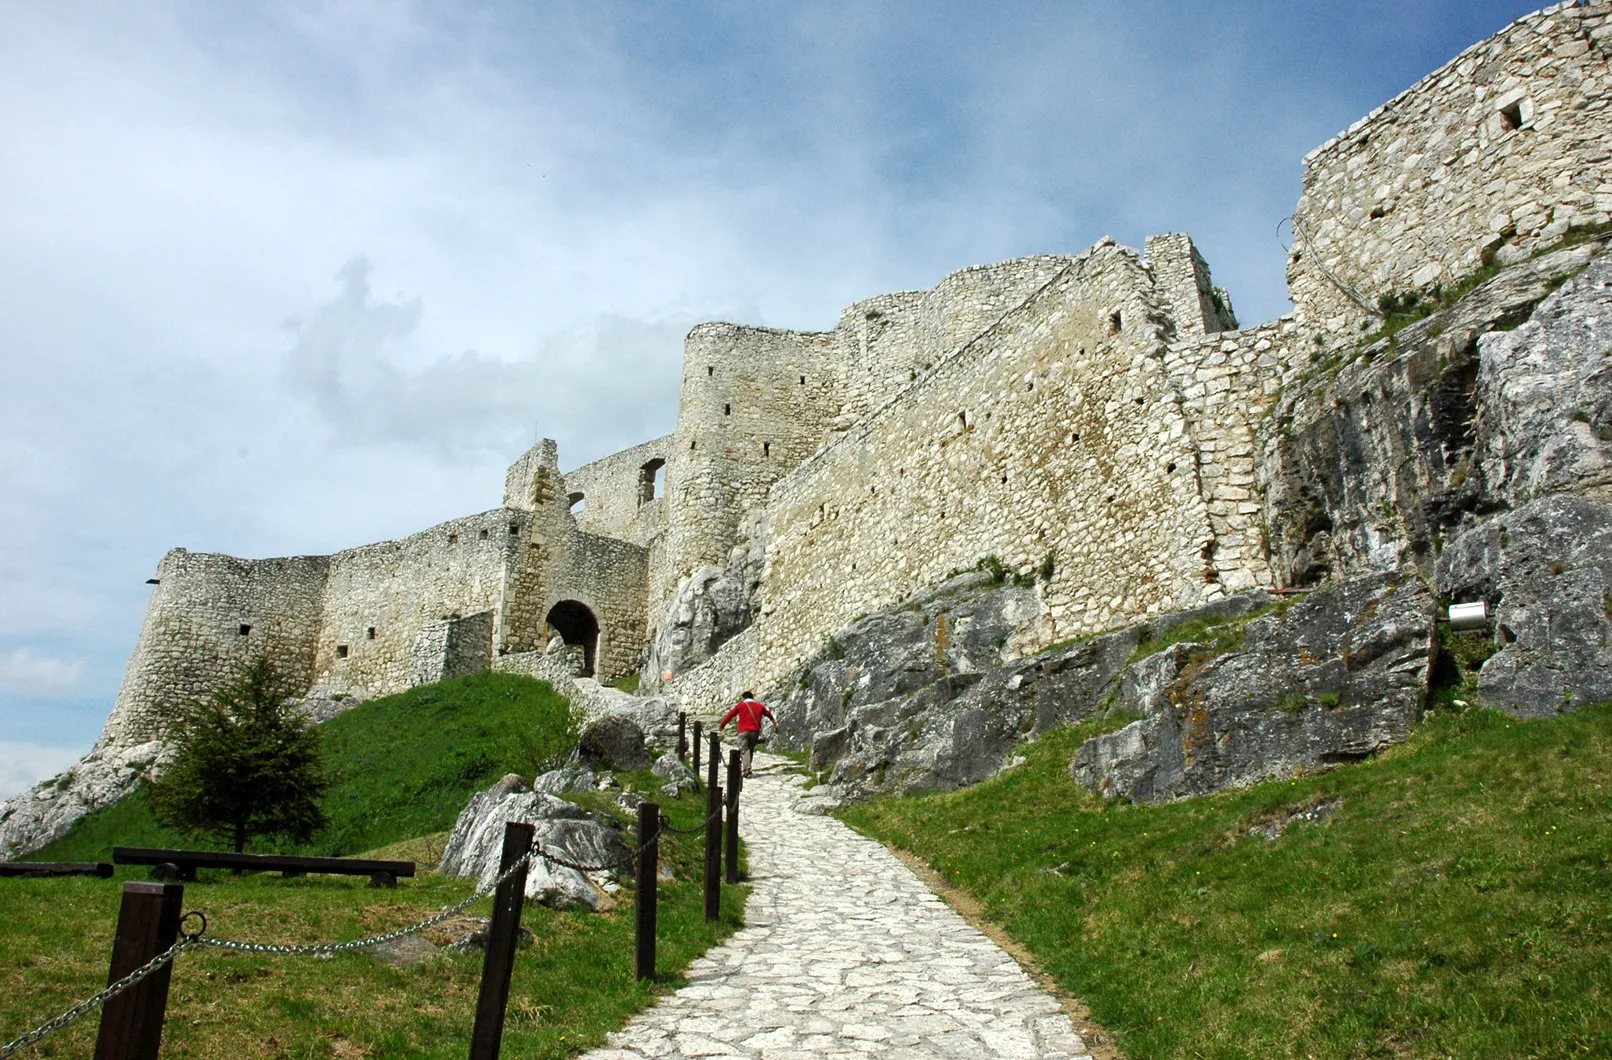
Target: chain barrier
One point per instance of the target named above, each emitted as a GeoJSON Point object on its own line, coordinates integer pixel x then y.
{"type": "Point", "coordinates": [696, 830]}
{"type": "Point", "coordinates": [329, 949]}
{"type": "Point", "coordinates": [91, 1003]}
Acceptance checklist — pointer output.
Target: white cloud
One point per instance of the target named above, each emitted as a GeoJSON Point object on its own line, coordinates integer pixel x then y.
{"type": "Point", "coordinates": [22, 765]}
{"type": "Point", "coordinates": [25, 672]}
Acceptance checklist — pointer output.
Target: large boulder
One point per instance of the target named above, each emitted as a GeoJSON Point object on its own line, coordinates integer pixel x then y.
{"type": "Point", "coordinates": [1334, 678]}
{"type": "Point", "coordinates": [712, 606]}
{"type": "Point", "coordinates": [1545, 572]}
{"type": "Point", "coordinates": [613, 742]}
{"type": "Point", "coordinates": [476, 846]}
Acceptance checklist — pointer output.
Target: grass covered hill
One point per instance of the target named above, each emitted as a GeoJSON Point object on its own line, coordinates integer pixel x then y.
{"type": "Point", "coordinates": [1450, 898]}
{"type": "Point", "coordinates": [402, 766]}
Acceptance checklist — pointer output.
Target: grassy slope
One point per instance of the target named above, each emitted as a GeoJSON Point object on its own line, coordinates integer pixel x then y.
{"type": "Point", "coordinates": [1458, 903]}
{"type": "Point", "coordinates": [403, 766]}
{"type": "Point", "coordinates": [406, 766]}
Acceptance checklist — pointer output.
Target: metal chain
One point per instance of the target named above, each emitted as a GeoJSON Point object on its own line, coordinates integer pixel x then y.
{"type": "Point", "coordinates": [333, 948]}
{"type": "Point", "coordinates": [556, 859]}
{"type": "Point", "coordinates": [696, 830]}
{"type": "Point", "coordinates": [90, 1004]}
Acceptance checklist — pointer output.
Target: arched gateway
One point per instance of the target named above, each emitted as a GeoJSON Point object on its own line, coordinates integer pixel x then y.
{"type": "Point", "coordinates": [576, 624]}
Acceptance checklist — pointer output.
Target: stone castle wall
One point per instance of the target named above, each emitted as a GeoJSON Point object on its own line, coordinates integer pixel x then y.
{"type": "Point", "coordinates": [621, 495]}
{"type": "Point", "coordinates": [207, 617]}
{"type": "Point", "coordinates": [380, 597]}
{"type": "Point", "coordinates": [1057, 433]}
{"type": "Point", "coordinates": [1489, 157]}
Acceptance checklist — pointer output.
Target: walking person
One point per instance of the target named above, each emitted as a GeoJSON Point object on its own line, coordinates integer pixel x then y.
{"type": "Point", "coordinates": [750, 711]}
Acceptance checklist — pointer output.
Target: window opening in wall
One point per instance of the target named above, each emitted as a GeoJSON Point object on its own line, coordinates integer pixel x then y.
{"type": "Point", "coordinates": [514, 528]}
{"type": "Point", "coordinates": [651, 480]}
{"type": "Point", "coordinates": [371, 633]}
{"type": "Point", "coordinates": [727, 410]}
{"type": "Point", "coordinates": [575, 624]}
{"type": "Point", "coordinates": [709, 370]}
{"type": "Point", "coordinates": [802, 380]}
{"type": "Point", "coordinates": [766, 448]}
{"type": "Point", "coordinates": [1004, 478]}
{"type": "Point", "coordinates": [1115, 322]}
{"type": "Point", "coordinates": [1169, 469]}
{"type": "Point", "coordinates": [245, 629]}
{"type": "Point", "coordinates": [1074, 437]}
{"type": "Point", "coordinates": [691, 447]}
{"type": "Point", "coordinates": [1511, 116]}
{"type": "Point", "coordinates": [483, 535]}
{"type": "Point", "coordinates": [341, 651]}
{"type": "Point", "coordinates": [578, 503]}
{"type": "Point", "coordinates": [912, 375]}
{"type": "Point", "coordinates": [453, 539]}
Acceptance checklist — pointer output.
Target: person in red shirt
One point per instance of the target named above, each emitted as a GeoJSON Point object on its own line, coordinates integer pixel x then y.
{"type": "Point", "coordinates": [750, 711]}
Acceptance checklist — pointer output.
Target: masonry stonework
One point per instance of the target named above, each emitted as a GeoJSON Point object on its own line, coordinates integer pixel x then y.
{"type": "Point", "coordinates": [1088, 420]}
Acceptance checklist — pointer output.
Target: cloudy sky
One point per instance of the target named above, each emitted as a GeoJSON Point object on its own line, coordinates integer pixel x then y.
{"type": "Point", "coordinates": [291, 277]}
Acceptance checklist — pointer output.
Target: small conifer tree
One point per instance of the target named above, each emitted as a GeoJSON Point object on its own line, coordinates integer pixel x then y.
{"type": "Point", "coordinates": [245, 765]}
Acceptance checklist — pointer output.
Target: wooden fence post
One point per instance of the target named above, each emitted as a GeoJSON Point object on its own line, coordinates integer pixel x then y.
{"type": "Point", "coordinates": [682, 736]}
{"type": "Point", "coordinates": [502, 936]}
{"type": "Point", "coordinates": [713, 831]}
{"type": "Point", "coordinates": [648, 879]}
{"type": "Point", "coordinates": [148, 923]}
{"type": "Point", "coordinates": [696, 751]}
{"type": "Point", "coordinates": [730, 841]}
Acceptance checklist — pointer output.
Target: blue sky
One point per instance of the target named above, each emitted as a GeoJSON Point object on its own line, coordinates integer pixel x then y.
{"type": "Point", "coordinates": [295, 277]}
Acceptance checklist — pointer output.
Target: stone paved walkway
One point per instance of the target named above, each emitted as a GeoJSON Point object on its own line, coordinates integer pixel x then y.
{"type": "Point", "coordinates": [845, 953]}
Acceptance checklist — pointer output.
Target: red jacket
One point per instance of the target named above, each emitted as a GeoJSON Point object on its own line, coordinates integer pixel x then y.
{"type": "Point", "coordinates": [750, 713]}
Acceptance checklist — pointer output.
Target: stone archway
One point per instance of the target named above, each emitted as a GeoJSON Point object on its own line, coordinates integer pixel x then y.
{"type": "Point", "coordinates": [576, 624]}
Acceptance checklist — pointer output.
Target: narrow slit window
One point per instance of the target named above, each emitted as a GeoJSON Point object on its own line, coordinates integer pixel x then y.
{"type": "Point", "coordinates": [727, 410]}
{"type": "Point", "coordinates": [766, 448]}
{"type": "Point", "coordinates": [371, 633]}
{"type": "Point", "coordinates": [710, 370]}
{"type": "Point", "coordinates": [802, 380]}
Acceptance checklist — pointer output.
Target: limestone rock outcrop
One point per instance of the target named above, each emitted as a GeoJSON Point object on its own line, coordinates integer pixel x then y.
{"type": "Point", "coordinates": [613, 742]}
{"type": "Point", "coordinates": [1336, 677]}
{"type": "Point", "coordinates": [476, 845]}
{"type": "Point", "coordinates": [46, 811]}
{"type": "Point", "coordinates": [1545, 573]}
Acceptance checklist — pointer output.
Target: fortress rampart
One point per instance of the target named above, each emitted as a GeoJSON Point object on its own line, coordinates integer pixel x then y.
{"type": "Point", "coordinates": [1489, 157]}
{"type": "Point", "coordinates": [1089, 420]}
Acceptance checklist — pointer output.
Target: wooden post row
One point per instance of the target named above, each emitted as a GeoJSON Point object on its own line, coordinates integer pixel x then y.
{"type": "Point", "coordinates": [647, 871]}
{"type": "Point", "coordinates": [148, 923]}
{"type": "Point", "coordinates": [502, 936]}
{"type": "Point", "coordinates": [730, 840]}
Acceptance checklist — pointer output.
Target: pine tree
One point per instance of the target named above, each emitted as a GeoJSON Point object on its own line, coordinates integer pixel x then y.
{"type": "Point", "coordinates": [245, 765]}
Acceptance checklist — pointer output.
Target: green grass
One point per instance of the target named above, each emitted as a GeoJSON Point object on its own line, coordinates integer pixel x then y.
{"type": "Point", "coordinates": [569, 989]}
{"type": "Point", "coordinates": [403, 766]}
{"type": "Point", "coordinates": [1458, 902]}
{"type": "Point", "coordinates": [406, 765]}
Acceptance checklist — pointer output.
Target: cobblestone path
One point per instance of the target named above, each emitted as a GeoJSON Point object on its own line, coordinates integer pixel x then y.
{"type": "Point", "coordinates": [845, 953]}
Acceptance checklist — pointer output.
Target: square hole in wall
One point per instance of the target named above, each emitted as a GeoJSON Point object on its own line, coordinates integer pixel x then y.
{"type": "Point", "coordinates": [484, 535]}
{"type": "Point", "coordinates": [1511, 116]}
{"type": "Point", "coordinates": [245, 629]}
{"type": "Point", "coordinates": [341, 651]}
{"type": "Point", "coordinates": [372, 633]}
{"type": "Point", "coordinates": [514, 528]}
{"type": "Point", "coordinates": [453, 539]}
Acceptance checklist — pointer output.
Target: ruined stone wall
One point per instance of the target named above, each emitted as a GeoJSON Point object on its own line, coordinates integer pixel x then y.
{"type": "Point", "coordinates": [208, 616]}
{"type": "Point", "coordinates": [1056, 433]}
{"type": "Point", "coordinates": [619, 495]}
{"type": "Point", "coordinates": [1491, 156]}
{"type": "Point", "coordinates": [611, 578]}
{"type": "Point", "coordinates": [755, 403]}
{"type": "Point", "coordinates": [1182, 281]}
{"type": "Point", "coordinates": [1228, 383]}
{"type": "Point", "coordinates": [380, 597]}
